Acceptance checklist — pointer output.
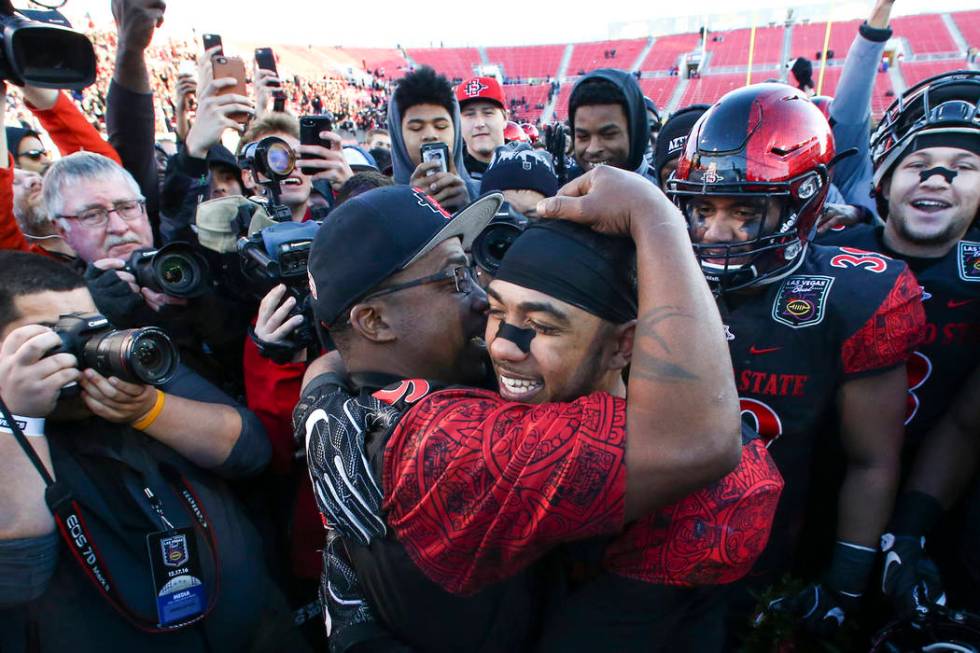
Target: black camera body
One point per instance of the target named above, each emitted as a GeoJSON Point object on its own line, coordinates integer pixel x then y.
{"type": "Point", "coordinates": [496, 238]}
{"type": "Point", "coordinates": [176, 269]}
{"type": "Point", "coordinates": [45, 53]}
{"type": "Point", "coordinates": [280, 254]}
{"type": "Point", "coordinates": [145, 355]}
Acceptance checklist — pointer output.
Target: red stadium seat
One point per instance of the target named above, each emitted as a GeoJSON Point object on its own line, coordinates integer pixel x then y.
{"type": "Point", "coordinates": [454, 63]}
{"type": "Point", "coordinates": [535, 61]}
{"type": "Point", "coordinates": [926, 34]}
{"type": "Point", "coordinates": [589, 56]}
{"type": "Point", "coordinates": [666, 50]}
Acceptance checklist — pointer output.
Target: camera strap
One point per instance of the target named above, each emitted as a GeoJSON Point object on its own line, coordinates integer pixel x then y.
{"type": "Point", "coordinates": [77, 536]}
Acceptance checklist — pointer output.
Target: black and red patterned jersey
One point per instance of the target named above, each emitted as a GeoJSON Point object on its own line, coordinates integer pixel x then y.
{"type": "Point", "coordinates": [844, 313]}
{"type": "Point", "coordinates": [474, 490]}
{"type": "Point", "coordinates": [950, 349]}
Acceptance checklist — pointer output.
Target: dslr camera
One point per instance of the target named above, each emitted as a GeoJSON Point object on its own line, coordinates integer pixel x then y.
{"type": "Point", "coordinates": [44, 52]}
{"type": "Point", "coordinates": [496, 238]}
{"type": "Point", "coordinates": [145, 355]}
{"type": "Point", "coordinates": [176, 269]}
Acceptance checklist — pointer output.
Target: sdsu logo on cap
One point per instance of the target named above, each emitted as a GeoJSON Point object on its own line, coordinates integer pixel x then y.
{"type": "Point", "coordinates": [474, 87]}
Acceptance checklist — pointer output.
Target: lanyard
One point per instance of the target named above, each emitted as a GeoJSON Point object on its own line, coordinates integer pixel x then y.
{"type": "Point", "coordinates": [78, 537]}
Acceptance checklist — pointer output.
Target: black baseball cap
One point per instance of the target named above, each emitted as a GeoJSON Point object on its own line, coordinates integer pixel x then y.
{"type": "Point", "coordinates": [372, 236]}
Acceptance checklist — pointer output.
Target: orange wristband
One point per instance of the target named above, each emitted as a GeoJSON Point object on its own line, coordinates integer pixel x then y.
{"type": "Point", "coordinates": [144, 422]}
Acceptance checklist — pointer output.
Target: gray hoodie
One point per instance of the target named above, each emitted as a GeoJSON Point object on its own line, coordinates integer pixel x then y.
{"type": "Point", "coordinates": [401, 163]}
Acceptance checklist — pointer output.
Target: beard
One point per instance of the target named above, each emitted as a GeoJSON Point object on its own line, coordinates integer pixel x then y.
{"type": "Point", "coordinates": [32, 217]}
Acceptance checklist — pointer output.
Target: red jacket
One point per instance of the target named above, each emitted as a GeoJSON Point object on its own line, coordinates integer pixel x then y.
{"type": "Point", "coordinates": [271, 392]}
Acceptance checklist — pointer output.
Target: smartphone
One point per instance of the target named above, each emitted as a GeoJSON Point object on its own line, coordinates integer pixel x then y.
{"type": "Point", "coordinates": [309, 134]}
{"type": "Point", "coordinates": [436, 152]}
{"type": "Point", "coordinates": [212, 41]}
{"type": "Point", "coordinates": [232, 67]}
{"type": "Point", "coordinates": [266, 60]}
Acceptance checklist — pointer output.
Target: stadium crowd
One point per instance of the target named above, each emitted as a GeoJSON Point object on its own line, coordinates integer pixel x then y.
{"type": "Point", "coordinates": [369, 366]}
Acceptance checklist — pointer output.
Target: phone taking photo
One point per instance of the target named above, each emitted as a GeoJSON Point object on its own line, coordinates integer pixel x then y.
{"type": "Point", "coordinates": [309, 134]}
{"type": "Point", "coordinates": [436, 152]}
{"type": "Point", "coordinates": [232, 67]}
{"type": "Point", "coordinates": [212, 41]}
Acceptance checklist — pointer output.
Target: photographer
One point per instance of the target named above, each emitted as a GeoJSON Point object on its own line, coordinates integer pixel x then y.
{"type": "Point", "coordinates": [98, 209]}
{"type": "Point", "coordinates": [424, 110]}
{"type": "Point", "coordinates": [296, 187]}
{"type": "Point", "coordinates": [138, 462]}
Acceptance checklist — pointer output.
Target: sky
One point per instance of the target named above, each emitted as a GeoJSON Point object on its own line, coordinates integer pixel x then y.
{"type": "Point", "coordinates": [485, 22]}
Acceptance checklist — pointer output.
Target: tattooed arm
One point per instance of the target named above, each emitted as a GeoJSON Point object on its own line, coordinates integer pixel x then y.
{"type": "Point", "coordinates": [683, 426]}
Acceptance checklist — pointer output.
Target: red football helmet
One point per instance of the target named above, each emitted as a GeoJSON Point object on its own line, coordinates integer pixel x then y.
{"type": "Point", "coordinates": [531, 131]}
{"type": "Point", "coordinates": [763, 142]}
{"type": "Point", "coordinates": [513, 132]}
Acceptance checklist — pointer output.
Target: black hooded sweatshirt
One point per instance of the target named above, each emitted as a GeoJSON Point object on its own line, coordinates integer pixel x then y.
{"type": "Point", "coordinates": [636, 116]}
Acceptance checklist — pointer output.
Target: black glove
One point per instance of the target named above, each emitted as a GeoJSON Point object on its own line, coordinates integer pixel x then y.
{"type": "Point", "coordinates": [909, 579]}
{"type": "Point", "coordinates": [822, 608]}
{"type": "Point", "coordinates": [346, 613]}
{"type": "Point", "coordinates": [115, 299]}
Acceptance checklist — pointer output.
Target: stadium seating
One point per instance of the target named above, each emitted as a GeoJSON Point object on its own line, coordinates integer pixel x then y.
{"type": "Point", "coordinates": [969, 24]}
{"type": "Point", "coordinates": [926, 34]}
{"type": "Point", "coordinates": [732, 47]}
{"type": "Point", "coordinates": [528, 62]}
{"type": "Point", "coordinates": [808, 39]}
{"type": "Point", "coordinates": [534, 94]}
{"type": "Point", "coordinates": [659, 89]}
{"type": "Point", "coordinates": [454, 63]}
{"type": "Point", "coordinates": [709, 88]}
{"type": "Point", "coordinates": [667, 49]}
{"type": "Point", "coordinates": [915, 72]}
{"type": "Point", "coordinates": [589, 56]}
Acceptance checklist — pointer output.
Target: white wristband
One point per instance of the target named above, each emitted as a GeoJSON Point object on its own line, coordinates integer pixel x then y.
{"type": "Point", "coordinates": [33, 427]}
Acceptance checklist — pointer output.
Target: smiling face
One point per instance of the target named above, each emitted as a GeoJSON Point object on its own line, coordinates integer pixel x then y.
{"type": "Point", "coordinates": [602, 136]}
{"type": "Point", "coordinates": [572, 353]}
{"type": "Point", "coordinates": [932, 213]}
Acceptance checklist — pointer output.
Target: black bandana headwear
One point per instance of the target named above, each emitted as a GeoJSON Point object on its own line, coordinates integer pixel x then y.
{"type": "Point", "coordinates": [575, 265]}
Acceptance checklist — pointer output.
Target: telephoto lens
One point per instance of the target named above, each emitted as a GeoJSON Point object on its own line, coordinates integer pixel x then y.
{"type": "Point", "coordinates": [146, 355]}
{"type": "Point", "coordinates": [175, 269]}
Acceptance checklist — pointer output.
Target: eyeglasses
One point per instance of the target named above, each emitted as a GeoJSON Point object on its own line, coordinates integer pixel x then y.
{"type": "Point", "coordinates": [35, 155]}
{"type": "Point", "coordinates": [460, 275]}
{"type": "Point", "coordinates": [128, 210]}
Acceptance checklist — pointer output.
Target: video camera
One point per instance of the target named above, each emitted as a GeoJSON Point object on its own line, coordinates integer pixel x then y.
{"type": "Point", "coordinates": [145, 355]}
{"type": "Point", "coordinates": [278, 254]}
{"type": "Point", "coordinates": [44, 52]}
{"type": "Point", "coordinates": [176, 269]}
{"type": "Point", "coordinates": [271, 160]}
{"type": "Point", "coordinates": [496, 238]}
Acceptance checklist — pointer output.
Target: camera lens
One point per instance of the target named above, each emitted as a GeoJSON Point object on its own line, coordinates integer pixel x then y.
{"type": "Point", "coordinates": [144, 355]}
{"type": "Point", "coordinates": [280, 159]}
{"type": "Point", "coordinates": [179, 275]}
{"type": "Point", "coordinates": [491, 245]}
